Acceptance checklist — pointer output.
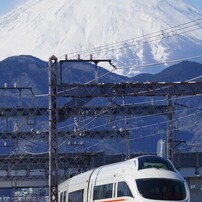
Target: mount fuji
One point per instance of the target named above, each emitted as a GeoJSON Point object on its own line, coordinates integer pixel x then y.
{"type": "Point", "coordinates": [132, 33]}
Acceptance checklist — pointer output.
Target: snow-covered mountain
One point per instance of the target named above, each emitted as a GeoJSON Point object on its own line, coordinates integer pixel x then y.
{"type": "Point", "coordinates": [130, 32]}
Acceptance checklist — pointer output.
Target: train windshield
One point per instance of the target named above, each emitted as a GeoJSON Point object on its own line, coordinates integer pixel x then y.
{"type": "Point", "coordinates": [161, 189]}
{"type": "Point", "coordinates": [154, 162]}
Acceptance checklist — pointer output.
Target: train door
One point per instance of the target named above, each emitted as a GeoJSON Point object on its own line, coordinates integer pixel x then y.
{"type": "Point", "coordinates": [90, 185]}
{"type": "Point", "coordinates": [103, 186]}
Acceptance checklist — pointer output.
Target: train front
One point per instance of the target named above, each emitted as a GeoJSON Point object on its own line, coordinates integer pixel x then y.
{"type": "Point", "coordinates": [158, 180]}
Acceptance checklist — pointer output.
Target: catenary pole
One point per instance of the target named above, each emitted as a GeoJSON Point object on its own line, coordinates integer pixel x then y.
{"type": "Point", "coordinates": [53, 139]}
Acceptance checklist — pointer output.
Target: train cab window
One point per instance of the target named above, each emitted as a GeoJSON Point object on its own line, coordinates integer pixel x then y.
{"type": "Point", "coordinates": [161, 189]}
{"type": "Point", "coordinates": [123, 190]}
{"type": "Point", "coordinates": [154, 162]}
{"type": "Point", "coordinates": [76, 196]}
{"type": "Point", "coordinates": [102, 191]}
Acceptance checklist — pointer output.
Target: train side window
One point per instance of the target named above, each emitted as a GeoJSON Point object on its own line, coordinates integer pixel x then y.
{"type": "Point", "coordinates": [64, 196]}
{"type": "Point", "coordinates": [102, 191]}
{"type": "Point", "coordinates": [123, 190]}
{"type": "Point", "coordinates": [61, 196]}
{"type": "Point", "coordinates": [76, 196]}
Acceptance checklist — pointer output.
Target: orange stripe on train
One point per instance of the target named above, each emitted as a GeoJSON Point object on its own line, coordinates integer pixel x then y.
{"type": "Point", "coordinates": [114, 200]}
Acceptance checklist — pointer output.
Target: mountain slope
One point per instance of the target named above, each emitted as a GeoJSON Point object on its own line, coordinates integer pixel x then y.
{"type": "Point", "coordinates": [29, 71]}
{"type": "Point", "coordinates": [183, 71]}
{"type": "Point", "coordinates": [45, 27]}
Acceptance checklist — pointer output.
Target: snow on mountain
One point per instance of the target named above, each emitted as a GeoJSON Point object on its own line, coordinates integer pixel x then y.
{"type": "Point", "coordinates": [130, 32]}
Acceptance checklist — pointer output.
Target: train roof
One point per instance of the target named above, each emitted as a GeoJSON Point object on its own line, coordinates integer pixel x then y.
{"type": "Point", "coordinates": [140, 167]}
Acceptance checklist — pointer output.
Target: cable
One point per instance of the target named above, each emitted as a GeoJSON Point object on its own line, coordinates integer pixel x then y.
{"type": "Point", "coordinates": [136, 38]}
{"type": "Point", "coordinates": [147, 41]}
{"type": "Point", "coordinates": [133, 104]}
{"type": "Point", "coordinates": [151, 135]}
{"type": "Point", "coordinates": [134, 127]}
{"type": "Point", "coordinates": [167, 61]}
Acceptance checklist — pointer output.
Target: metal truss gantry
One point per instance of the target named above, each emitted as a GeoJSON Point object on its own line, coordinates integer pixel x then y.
{"type": "Point", "coordinates": [130, 89]}
{"type": "Point", "coordinates": [67, 111]}
{"type": "Point", "coordinates": [31, 170]}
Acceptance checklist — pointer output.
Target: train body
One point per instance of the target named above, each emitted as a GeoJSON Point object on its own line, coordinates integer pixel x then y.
{"type": "Point", "coordinates": [142, 179]}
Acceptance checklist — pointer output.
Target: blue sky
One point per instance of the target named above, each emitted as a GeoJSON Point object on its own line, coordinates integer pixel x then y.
{"type": "Point", "coordinates": [195, 3]}
{"type": "Point", "coordinates": [8, 5]}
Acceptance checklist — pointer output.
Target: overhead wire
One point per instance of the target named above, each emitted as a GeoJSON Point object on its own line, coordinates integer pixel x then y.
{"type": "Point", "coordinates": [166, 61]}
{"type": "Point", "coordinates": [146, 41]}
{"type": "Point", "coordinates": [146, 126]}
{"type": "Point", "coordinates": [83, 131]}
{"type": "Point", "coordinates": [149, 35]}
{"type": "Point", "coordinates": [138, 103]}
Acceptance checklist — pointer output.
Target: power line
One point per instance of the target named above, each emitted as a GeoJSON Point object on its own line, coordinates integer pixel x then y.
{"type": "Point", "coordinates": [147, 136]}
{"type": "Point", "coordinates": [131, 127]}
{"type": "Point", "coordinates": [149, 125]}
{"type": "Point", "coordinates": [146, 41]}
{"type": "Point", "coordinates": [168, 61]}
{"type": "Point", "coordinates": [140, 38]}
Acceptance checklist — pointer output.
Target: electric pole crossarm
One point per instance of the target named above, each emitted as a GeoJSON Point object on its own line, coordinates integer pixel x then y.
{"type": "Point", "coordinates": [115, 133]}
{"type": "Point", "coordinates": [17, 112]}
{"type": "Point", "coordinates": [91, 60]}
{"type": "Point", "coordinates": [66, 112]}
{"type": "Point", "coordinates": [69, 110]}
{"type": "Point", "coordinates": [64, 134]}
{"type": "Point", "coordinates": [130, 89]}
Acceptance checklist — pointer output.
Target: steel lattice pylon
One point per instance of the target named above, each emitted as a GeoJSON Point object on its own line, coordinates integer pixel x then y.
{"type": "Point", "coordinates": [53, 139]}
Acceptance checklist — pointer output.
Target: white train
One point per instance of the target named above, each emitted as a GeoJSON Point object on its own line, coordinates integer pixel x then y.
{"type": "Point", "coordinates": [142, 179]}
